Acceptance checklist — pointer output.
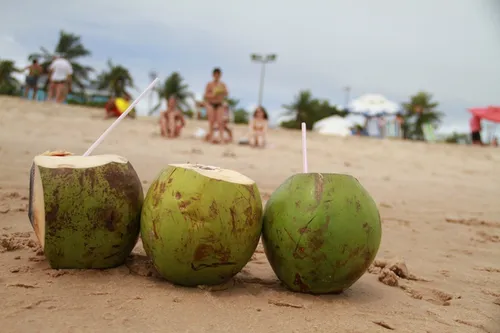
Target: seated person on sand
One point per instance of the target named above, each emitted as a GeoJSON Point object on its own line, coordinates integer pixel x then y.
{"type": "Point", "coordinates": [113, 110]}
{"type": "Point", "coordinates": [258, 128]}
{"type": "Point", "coordinates": [171, 120]}
{"type": "Point", "coordinates": [226, 118]}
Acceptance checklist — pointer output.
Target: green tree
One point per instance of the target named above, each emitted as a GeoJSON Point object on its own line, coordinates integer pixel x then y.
{"type": "Point", "coordinates": [457, 138]}
{"type": "Point", "coordinates": [115, 79]}
{"type": "Point", "coordinates": [240, 115]}
{"type": "Point", "coordinates": [71, 48]}
{"type": "Point", "coordinates": [308, 109]}
{"type": "Point", "coordinates": [9, 85]}
{"type": "Point", "coordinates": [173, 86]}
{"type": "Point", "coordinates": [420, 110]}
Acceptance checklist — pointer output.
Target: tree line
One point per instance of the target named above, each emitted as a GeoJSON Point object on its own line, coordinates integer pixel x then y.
{"type": "Point", "coordinates": [116, 80]}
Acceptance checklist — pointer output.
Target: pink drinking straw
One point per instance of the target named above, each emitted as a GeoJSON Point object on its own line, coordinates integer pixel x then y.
{"type": "Point", "coordinates": [117, 121]}
{"type": "Point", "coordinates": [304, 148]}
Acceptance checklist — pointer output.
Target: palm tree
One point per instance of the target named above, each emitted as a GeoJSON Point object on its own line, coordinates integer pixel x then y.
{"type": "Point", "coordinates": [9, 85]}
{"type": "Point", "coordinates": [420, 110]}
{"type": "Point", "coordinates": [301, 107]}
{"type": "Point", "coordinates": [115, 80]}
{"type": "Point", "coordinates": [173, 86]}
{"type": "Point", "coordinates": [71, 48]}
{"type": "Point", "coordinates": [309, 110]}
{"type": "Point", "coordinates": [240, 115]}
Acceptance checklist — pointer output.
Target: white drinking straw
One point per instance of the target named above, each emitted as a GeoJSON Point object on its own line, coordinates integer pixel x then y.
{"type": "Point", "coordinates": [304, 148]}
{"type": "Point", "coordinates": [117, 121]}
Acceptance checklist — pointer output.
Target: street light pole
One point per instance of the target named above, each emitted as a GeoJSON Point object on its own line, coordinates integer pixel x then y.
{"type": "Point", "coordinates": [152, 75]}
{"type": "Point", "coordinates": [263, 60]}
{"type": "Point", "coordinates": [347, 90]}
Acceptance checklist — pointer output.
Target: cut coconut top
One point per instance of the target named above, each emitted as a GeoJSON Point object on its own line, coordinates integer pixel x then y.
{"type": "Point", "coordinates": [77, 162]}
{"type": "Point", "coordinates": [217, 173]}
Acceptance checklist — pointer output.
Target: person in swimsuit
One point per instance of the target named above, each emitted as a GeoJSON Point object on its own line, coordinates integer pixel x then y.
{"type": "Point", "coordinates": [258, 128]}
{"type": "Point", "coordinates": [34, 72]}
{"type": "Point", "coordinates": [60, 74]}
{"type": "Point", "coordinates": [215, 93]}
{"type": "Point", "coordinates": [226, 120]}
{"type": "Point", "coordinates": [171, 120]}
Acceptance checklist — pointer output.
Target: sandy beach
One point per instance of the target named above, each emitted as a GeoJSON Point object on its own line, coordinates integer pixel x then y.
{"type": "Point", "coordinates": [437, 203]}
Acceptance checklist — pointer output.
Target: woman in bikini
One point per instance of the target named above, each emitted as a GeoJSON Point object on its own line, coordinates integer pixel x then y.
{"type": "Point", "coordinates": [171, 120]}
{"type": "Point", "coordinates": [258, 128]}
{"type": "Point", "coordinates": [215, 93]}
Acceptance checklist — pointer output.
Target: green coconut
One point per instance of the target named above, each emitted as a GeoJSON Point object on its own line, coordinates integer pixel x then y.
{"type": "Point", "coordinates": [200, 225]}
{"type": "Point", "coordinates": [320, 232]}
{"type": "Point", "coordinates": [85, 210]}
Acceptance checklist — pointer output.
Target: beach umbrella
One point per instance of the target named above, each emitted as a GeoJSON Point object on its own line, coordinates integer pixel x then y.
{"type": "Point", "coordinates": [373, 105]}
{"type": "Point", "coordinates": [334, 125]}
{"type": "Point", "coordinates": [491, 113]}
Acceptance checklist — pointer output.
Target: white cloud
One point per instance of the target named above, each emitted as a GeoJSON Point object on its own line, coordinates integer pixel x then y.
{"type": "Point", "coordinates": [393, 47]}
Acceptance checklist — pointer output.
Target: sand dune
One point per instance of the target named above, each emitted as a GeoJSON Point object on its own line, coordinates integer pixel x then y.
{"type": "Point", "coordinates": [441, 235]}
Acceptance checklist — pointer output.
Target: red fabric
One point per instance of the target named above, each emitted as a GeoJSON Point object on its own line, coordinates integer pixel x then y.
{"type": "Point", "coordinates": [491, 113]}
{"type": "Point", "coordinates": [475, 124]}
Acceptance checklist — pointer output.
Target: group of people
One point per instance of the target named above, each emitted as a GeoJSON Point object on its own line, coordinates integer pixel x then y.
{"type": "Point", "coordinates": [218, 115]}
{"type": "Point", "coordinates": [59, 74]}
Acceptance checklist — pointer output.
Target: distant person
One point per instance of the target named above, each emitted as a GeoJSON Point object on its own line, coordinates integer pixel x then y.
{"type": "Point", "coordinates": [60, 72]}
{"type": "Point", "coordinates": [112, 109]}
{"type": "Point", "coordinates": [171, 120]}
{"type": "Point", "coordinates": [399, 125]}
{"type": "Point", "coordinates": [34, 72]}
{"type": "Point", "coordinates": [215, 93]}
{"type": "Point", "coordinates": [494, 142]}
{"type": "Point", "coordinates": [475, 129]}
{"type": "Point", "coordinates": [258, 126]}
{"type": "Point", "coordinates": [226, 118]}
{"type": "Point", "coordinates": [381, 126]}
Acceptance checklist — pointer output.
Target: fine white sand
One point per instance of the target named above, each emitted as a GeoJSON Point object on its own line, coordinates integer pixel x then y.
{"type": "Point", "coordinates": [439, 205]}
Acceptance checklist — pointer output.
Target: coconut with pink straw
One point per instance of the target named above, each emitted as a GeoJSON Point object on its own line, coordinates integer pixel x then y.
{"type": "Point", "coordinates": [85, 210]}
{"type": "Point", "coordinates": [321, 231]}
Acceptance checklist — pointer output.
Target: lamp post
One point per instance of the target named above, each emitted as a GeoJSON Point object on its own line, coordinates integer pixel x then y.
{"type": "Point", "coordinates": [263, 59]}
{"type": "Point", "coordinates": [347, 91]}
{"type": "Point", "coordinates": [152, 75]}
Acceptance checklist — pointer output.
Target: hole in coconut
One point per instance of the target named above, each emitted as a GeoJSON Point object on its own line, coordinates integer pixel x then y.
{"type": "Point", "coordinates": [205, 167]}
{"type": "Point", "coordinates": [217, 173]}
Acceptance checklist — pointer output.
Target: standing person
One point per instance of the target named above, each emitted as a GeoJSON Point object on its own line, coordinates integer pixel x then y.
{"type": "Point", "coordinates": [34, 72]}
{"type": "Point", "coordinates": [172, 120]}
{"type": "Point", "coordinates": [381, 126]}
{"type": "Point", "coordinates": [60, 72]}
{"type": "Point", "coordinates": [399, 125]}
{"type": "Point", "coordinates": [215, 93]}
{"type": "Point", "coordinates": [475, 129]}
{"type": "Point", "coordinates": [226, 116]}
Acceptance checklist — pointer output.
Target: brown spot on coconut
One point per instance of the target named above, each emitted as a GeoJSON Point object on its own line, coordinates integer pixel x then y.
{"type": "Point", "coordinates": [85, 211]}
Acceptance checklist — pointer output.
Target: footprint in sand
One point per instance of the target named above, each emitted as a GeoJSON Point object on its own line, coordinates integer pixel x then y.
{"type": "Point", "coordinates": [472, 222]}
{"type": "Point", "coordinates": [433, 296]}
{"type": "Point", "coordinates": [393, 272]}
{"type": "Point", "coordinates": [17, 241]}
{"type": "Point", "coordinates": [487, 237]}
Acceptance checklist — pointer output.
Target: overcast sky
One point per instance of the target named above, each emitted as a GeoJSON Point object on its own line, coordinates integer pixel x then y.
{"type": "Point", "coordinates": [450, 48]}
